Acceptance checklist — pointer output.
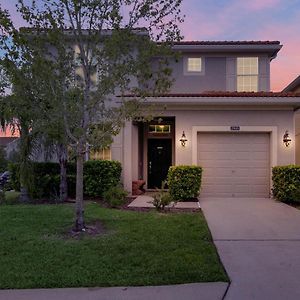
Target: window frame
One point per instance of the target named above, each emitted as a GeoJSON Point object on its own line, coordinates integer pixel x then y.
{"type": "Point", "coordinates": [95, 154]}
{"type": "Point", "coordinates": [245, 75]}
{"type": "Point", "coordinates": [186, 72]}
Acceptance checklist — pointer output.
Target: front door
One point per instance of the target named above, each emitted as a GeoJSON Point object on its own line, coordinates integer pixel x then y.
{"type": "Point", "coordinates": [159, 161]}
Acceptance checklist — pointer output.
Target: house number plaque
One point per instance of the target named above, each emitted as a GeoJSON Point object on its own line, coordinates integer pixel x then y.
{"type": "Point", "coordinates": [235, 128]}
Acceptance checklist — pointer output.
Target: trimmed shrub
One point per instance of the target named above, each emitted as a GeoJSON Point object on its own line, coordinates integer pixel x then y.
{"type": "Point", "coordinates": [115, 196]}
{"type": "Point", "coordinates": [184, 182]}
{"type": "Point", "coordinates": [286, 183]}
{"type": "Point", "coordinates": [71, 181]}
{"type": "Point", "coordinates": [98, 176]}
{"type": "Point", "coordinates": [14, 169]}
{"type": "Point", "coordinates": [2, 197]}
{"type": "Point", "coordinates": [9, 197]}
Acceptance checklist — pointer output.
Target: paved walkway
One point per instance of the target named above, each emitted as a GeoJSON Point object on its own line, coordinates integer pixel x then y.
{"type": "Point", "coordinates": [144, 201]}
{"type": "Point", "coordinates": [203, 291]}
{"type": "Point", "coordinates": [258, 241]}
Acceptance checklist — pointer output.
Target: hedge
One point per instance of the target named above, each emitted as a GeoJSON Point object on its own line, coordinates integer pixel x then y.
{"type": "Point", "coordinates": [286, 183]}
{"type": "Point", "coordinates": [98, 176]}
{"type": "Point", "coordinates": [184, 182]}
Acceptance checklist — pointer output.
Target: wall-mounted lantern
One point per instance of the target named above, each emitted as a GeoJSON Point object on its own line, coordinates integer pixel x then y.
{"type": "Point", "coordinates": [183, 139]}
{"type": "Point", "coordinates": [286, 139]}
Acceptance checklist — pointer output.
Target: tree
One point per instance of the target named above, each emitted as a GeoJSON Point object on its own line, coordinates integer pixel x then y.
{"type": "Point", "coordinates": [113, 56]}
{"type": "Point", "coordinates": [33, 99]}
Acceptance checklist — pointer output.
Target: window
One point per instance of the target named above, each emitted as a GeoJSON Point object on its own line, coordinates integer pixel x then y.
{"type": "Point", "coordinates": [104, 154]}
{"type": "Point", "coordinates": [247, 74]}
{"type": "Point", "coordinates": [159, 128]}
{"type": "Point", "coordinates": [194, 64]}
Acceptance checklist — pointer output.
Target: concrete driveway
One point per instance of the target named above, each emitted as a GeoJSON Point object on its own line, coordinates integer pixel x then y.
{"type": "Point", "coordinates": [258, 241]}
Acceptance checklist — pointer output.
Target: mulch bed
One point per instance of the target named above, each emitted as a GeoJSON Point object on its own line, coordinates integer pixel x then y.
{"type": "Point", "coordinates": [94, 229]}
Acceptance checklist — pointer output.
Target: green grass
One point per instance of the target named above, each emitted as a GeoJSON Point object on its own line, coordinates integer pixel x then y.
{"type": "Point", "coordinates": [138, 249]}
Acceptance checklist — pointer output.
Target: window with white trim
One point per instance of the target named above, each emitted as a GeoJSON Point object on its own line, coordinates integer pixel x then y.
{"type": "Point", "coordinates": [194, 64]}
{"type": "Point", "coordinates": [247, 74]}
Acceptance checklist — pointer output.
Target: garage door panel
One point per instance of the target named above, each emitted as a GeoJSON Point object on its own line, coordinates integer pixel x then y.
{"type": "Point", "coordinates": [216, 155]}
{"type": "Point", "coordinates": [218, 188]}
{"type": "Point", "coordinates": [219, 172]}
{"type": "Point", "coordinates": [241, 155]}
{"type": "Point", "coordinates": [215, 180]}
{"type": "Point", "coordinates": [246, 181]}
{"type": "Point", "coordinates": [220, 163]}
{"type": "Point", "coordinates": [258, 163]}
{"type": "Point", "coordinates": [242, 189]}
{"type": "Point", "coordinates": [258, 147]}
{"type": "Point", "coordinates": [212, 147]}
{"type": "Point", "coordinates": [245, 164]}
{"type": "Point", "coordinates": [235, 164]}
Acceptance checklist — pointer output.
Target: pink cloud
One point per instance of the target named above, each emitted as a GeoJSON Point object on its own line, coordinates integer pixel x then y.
{"type": "Point", "coordinates": [225, 21]}
{"type": "Point", "coordinates": [286, 67]}
{"type": "Point", "coordinates": [261, 4]}
{"type": "Point", "coordinates": [8, 133]}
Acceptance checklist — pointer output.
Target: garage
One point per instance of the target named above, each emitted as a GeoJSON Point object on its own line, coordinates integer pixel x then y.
{"type": "Point", "coordinates": [234, 164]}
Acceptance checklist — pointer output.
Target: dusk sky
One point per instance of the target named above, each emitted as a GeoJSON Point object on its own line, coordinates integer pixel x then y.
{"type": "Point", "coordinates": [241, 20]}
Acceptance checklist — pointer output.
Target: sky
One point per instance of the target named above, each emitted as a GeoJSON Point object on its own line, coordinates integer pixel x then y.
{"type": "Point", "coordinates": [240, 20]}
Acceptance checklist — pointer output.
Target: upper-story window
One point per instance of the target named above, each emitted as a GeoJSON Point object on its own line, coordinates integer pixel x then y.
{"type": "Point", "coordinates": [247, 74]}
{"type": "Point", "coordinates": [193, 66]}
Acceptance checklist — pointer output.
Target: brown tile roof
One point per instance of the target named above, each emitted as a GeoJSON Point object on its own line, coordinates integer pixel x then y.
{"type": "Point", "coordinates": [227, 43]}
{"type": "Point", "coordinates": [226, 94]}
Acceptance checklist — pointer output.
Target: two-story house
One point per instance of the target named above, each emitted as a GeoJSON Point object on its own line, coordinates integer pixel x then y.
{"type": "Point", "coordinates": [219, 114]}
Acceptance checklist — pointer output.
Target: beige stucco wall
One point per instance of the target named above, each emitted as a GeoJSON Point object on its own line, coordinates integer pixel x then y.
{"type": "Point", "coordinates": [297, 140]}
{"type": "Point", "coordinates": [278, 120]}
{"type": "Point", "coordinates": [297, 135]}
{"type": "Point", "coordinates": [283, 120]}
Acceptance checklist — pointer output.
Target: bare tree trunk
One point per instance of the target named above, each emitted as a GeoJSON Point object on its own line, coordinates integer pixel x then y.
{"type": "Point", "coordinates": [24, 195]}
{"type": "Point", "coordinates": [79, 223]}
{"type": "Point", "coordinates": [26, 172]}
{"type": "Point", "coordinates": [63, 185]}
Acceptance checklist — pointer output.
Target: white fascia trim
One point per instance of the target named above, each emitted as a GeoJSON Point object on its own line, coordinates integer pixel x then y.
{"type": "Point", "coordinates": [229, 48]}
{"type": "Point", "coordinates": [286, 101]}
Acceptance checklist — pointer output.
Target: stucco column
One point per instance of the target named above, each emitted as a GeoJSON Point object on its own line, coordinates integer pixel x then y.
{"type": "Point", "coordinates": [127, 157]}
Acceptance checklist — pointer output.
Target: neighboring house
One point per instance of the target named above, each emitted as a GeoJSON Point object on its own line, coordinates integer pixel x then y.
{"type": "Point", "coordinates": [222, 105]}
{"type": "Point", "coordinates": [5, 140]}
{"type": "Point", "coordinates": [9, 144]}
{"type": "Point", "coordinates": [294, 87]}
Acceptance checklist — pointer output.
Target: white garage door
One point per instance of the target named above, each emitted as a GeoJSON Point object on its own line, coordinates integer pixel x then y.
{"type": "Point", "coordinates": [234, 164]}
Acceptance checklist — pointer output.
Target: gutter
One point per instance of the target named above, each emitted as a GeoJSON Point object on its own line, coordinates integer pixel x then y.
{"type": "Point", "coordinates": [283, 101]}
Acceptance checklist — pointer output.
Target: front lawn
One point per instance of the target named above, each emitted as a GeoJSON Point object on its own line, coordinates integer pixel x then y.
{"type": "Point", "coordinates": [137, 249]}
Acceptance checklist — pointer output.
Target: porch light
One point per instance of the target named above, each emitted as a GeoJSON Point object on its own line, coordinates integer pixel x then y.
{"type": "Point", "coordinates": [286, 139]}
{"type": "Point", "coordinates": [183, 139]}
